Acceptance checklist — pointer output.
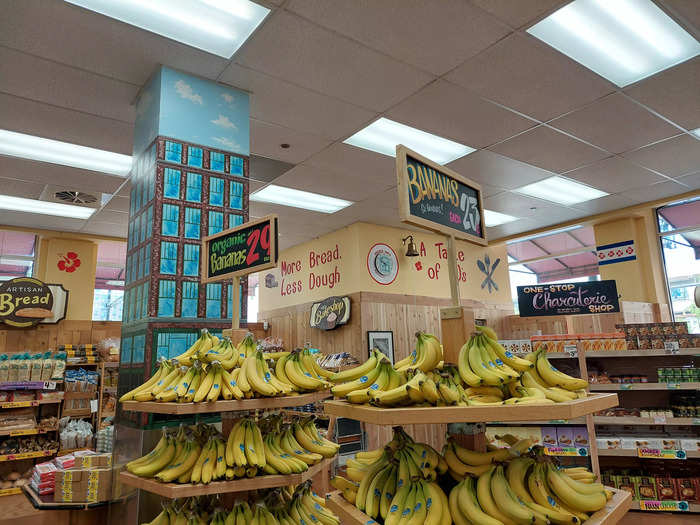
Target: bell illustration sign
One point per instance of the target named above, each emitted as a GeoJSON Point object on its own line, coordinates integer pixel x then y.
{"type": "Point", "coordinates": [435, 197]}
{"type": "Point", "coordinates": [26, 301]}
{"type": "Point", "coordinates": [245, 249]}
{"type": "Point", "coordinates": [594, 297]}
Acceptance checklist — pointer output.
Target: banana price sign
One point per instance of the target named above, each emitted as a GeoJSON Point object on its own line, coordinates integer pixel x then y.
{"type": "Point", "coordinates": [245, 249]}
{"type": "Point", "coordinates": [436, 198]}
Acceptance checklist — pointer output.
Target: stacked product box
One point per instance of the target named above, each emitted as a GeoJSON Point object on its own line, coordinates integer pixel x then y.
{"type": "Point", "coordinates": [595, 342]}
{"type": "Point", "coordinates": [549, 436]}
{"type": "Point", "coordinates": [660, 441]}
{"type": "Point", "coordinates": [653, 336]}
{"type": "Point", "coordinates": [516, 346]}
{"type": "Point", "coordinates": [81, 477]}
{"type": "Point", "coordinates": [86, 353]}
{"type": "Point", "coordinates": [655, 486]}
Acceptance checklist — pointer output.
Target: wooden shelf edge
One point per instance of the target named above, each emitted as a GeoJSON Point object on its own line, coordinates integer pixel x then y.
{"type": "Point", "coordinates": [632, 453]}
{"type": "Point", "coordinates": [627, 353]}
{"type": "Point", "coordinates": [154, 407]}
{"type": "Point", "coordinates": [455, 414]}
{"type": "Point", "coordinates": [627, 387]}
{"type": "Point", "coordinates": [177, 490]}
{"type": "Point", "coordinates": [692, 507]}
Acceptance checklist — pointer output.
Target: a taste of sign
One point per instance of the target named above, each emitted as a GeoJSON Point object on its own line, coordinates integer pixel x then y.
{"type": "Point", "coordinates": [568, 298]}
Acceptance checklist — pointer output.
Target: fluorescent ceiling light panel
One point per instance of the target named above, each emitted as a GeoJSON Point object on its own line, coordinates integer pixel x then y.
{"type": "Point", "coordinates": [621, 40]}
{"type": "Point", "coordinates": [544, 234]}
{"type": "Point", "coordinates": [299, 199]}
{"type": "Point", "coordinates": [561, 190]}
{"type": "Point", "coordinates": [219, 27]}
{"type": "Point", "coordinates": [493, 218]}
{"type": "Point", "coordinates": [56, 152]}
{"type": "Point", "coordinates": [45, 208]}
{"type": "Point", "coordinates": [383, 135]}
{"type": "Point", "coordinates": [696, 132]}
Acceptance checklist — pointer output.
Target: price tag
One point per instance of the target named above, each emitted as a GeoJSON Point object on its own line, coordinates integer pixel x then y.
{"type": "Point", "coordinates": [655, 453]}
{"type": "Point", "coordinates": [8, 492]}
{"type": "Point", "coordinates": [660, 420]}
{"type": "Point", "coordinates": [571, 350]}
{"type": "Point", "coordinates": [671, 347]}
{"type": "Point", "coordinates": [24, 432]}
{"type": "Point", "coordinates": [566, 451]}
{"type": "Point", "coordinates": [93, 405]}
{"type": "Point", "coordinates": [664, 506]}
{"type": "Point", "coordinates": [49, 385]}
{"type": "Point", "coordinates": [696, 421]}
{"type": "Point", "coordinates": [626, 386]}
{"type": "Point", "coordinates": [673, 386]}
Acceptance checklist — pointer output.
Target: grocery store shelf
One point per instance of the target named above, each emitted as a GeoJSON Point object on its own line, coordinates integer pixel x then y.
{"type": "Point", "coordinates": [605, 387]}
{"type": "Point", "coordinates": [111, 364]}
{"type": "Point", "coordinates": [84, 363]}
{"type": "Point", "coordinates": [667, 506]}
{"type": "Point", "coordinates": [182, 490]}
{"type": "Point", "coordinates": [11, 492]}
{"type": "Point", "coordinates": [632, 453]}
{"type": "Point", "coordinates": [627, 353]}
{"type": "Point", "coordinates": [32, 403]}
{"type": "Point", "coordinates": [27, 431]}
{"type": "Point", "coordinates": [110, 389]}
{"type": "Point", "coordinates": [30, 385]}
{"type": "Point", "coordinates": [27, 455]}
{"type": "Point", "coordinates": [631, 420]}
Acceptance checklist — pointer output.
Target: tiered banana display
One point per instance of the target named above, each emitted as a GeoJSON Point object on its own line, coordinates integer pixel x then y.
{"type": "Point", "coordinates": [486, 374]}
{"type": "Point", "coordinates": [213, 369]}
{"type": "Point", "coordinates": [201, 454]}
{"type": "Point", "coordinates": [408, 483]}
{"type": "Point", "coordinates": [284, 506]}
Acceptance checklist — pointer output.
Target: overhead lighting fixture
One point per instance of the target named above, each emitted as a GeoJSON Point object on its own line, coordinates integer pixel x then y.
{"type": "Point", "coordinates": [622, 40]}
{"type": "Point", "coordinates": [544, 234]}
{"type": "Point", "coordinates": [299, 199]}
{"type": "Point", "coordinates": [219, 27]}
{"type": "Point", "coordinates": [16, 261]}
{"type": "Point", "coordinates": [383, 135]}
{"type": "Point", "coordinates": [562, 191]}
{"type": "Point", "coordinates": [64, 153]}
{"type": "Point", "coordinates": [114, 283]}
{"type": "Point", "coordinates": [44, 208]}
{"type": "Point", "coordinates": [494, 218]}
{"type": "Point", "coordinates": [696, 132]}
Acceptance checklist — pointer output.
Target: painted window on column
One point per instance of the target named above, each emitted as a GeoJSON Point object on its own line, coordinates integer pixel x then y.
{"type": "Point", "coordinates": [194, 157]}
{"type": "Point", "coordinates": [171, 214]}
{"type": "Point", "coordinates": [146, 260]}
{"type": "Point", "coordinates": [166, 298]}
{"type": "Point", "coordinates": [216, 191]}
{"type": "Point", "coordinates": [144, 300]}
{"type": "Point", "coordinates": [236, 195]}
{"type": "Point", "coordinates": [216, 222]}
{"type": "Point", "coordinates": [138, 349]}
{"type": "Point", "coordinates": [236, 166]}
{"type": "Point", "coordinates": [125, 357]}
{"type": "Point", "coordinates": [217, 161]}
{"type": "Point", "coordinates": [190, 291]}
{"type": "Point", "coordinates": [171, 183]}
{"type": "Point", "coordinates": [213, 302]}
{"type": "Point", "coordinates": [193, 191]}
{"type": "Point", "coordinates": [229, 302]}
{"type": "Point", "coordinates": [235, 220]}
{"type": "Point", "coordinates": [149, 222]}
{"type": "Point", "coordinates": [173, 152]}
{"type": "Point", "coordinates": [168, 257]}
{"type": "Point", "coordinates": [190, 266]}
{"type": "Point", "coordinates": [193, 218]}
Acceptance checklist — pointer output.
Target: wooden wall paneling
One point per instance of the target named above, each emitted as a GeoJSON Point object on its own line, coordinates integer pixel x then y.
{"type": "Point", "coordinates": [45, 337]}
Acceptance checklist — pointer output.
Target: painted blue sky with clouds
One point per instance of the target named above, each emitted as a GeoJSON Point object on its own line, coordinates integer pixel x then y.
{"type": "Point", "coordinates": [195, 110]}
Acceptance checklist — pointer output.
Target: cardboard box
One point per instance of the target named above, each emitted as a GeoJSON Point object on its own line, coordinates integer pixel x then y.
{"type": "Point", "coordinates": [580, 436]}
{"type": "Point", "coordinates": [624, 483]}
{"type": "Point", "coordinates": [83, 485]}
{"type": "Point", "coordinates": [99, 485]}
{"type": "Point", "coordinates": [644, 487]}
{"type": "Point", "coordinates": [690, 444]}
{"type": "Point", "coordinates": [565, 436]}
{"type": "Point", "coordinates": [666, 489]}
{"type": "Point", "coordinates": [549, 437]}
{"type": "Point", "coordinates": [687, 490]}
{"type": "Point", "coordinates": [94, 460]}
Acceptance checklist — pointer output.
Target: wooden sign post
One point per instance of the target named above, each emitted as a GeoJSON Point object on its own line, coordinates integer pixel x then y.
{"type": "Point", "coordinates": [439, 199]}
{"type": "Point", "coordinates": [248, 248]}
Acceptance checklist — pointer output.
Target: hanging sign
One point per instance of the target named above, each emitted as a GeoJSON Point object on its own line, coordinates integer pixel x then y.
{"type": "Point", "coordinates": [245, 249]}
{"type": "Point", "coordinates": [26, 302]}
{"type": "Point", "coordinates": [330, 313]}
{"type": "Point", "coordinates": [592, 297]}
{"type": "Point", "coordinates": [439, 199]}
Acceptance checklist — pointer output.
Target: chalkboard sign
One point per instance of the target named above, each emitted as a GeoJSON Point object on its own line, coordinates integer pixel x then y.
{"type": "Point", "coordinates": [245, 249]}
{"type": "Point", "coordinates": [330, 313]}
{"type": "Point", "coordinates": [594, 297]}
{"type": "Point", "coordinates": [437, 198]}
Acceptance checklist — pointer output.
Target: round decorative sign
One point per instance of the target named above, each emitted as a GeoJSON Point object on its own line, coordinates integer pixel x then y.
{"type": "Point", "coordinates": [25, 301]}
{"type": "Point", "coordinates": [382, 263]}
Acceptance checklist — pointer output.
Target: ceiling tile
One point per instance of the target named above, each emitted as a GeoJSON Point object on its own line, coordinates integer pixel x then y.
{"type": "Point", "coordinates": [87, 40]}
{"type": "Point", "coordinates": [119, 203]}
{"type": "Point", "coordinates": [607, 203]}
{"type": "Point", "coordinates": [510, 228]}
{"type": "Point", "coordinates": [319, 180]}
{"type": "Point", "coordinates": [616, 124]}
{"type": "Point", "coordinates": [486, 167]}
{"type": "Point", "coordinates": [107, 215]}
{"type": "Point", "coordinates": [464, 29]}
{"type": "Point", "coordinates": [692, 180]}
{"type": "Point", "coordinates": [673, 93]}
{"type": "Point", "coordinates": [522, 206]}
{"type": "Point", "coordinates": [614, 175]}
{"type": "Point", "coordinates": [529, 76]}
{"type": "Point", "coordinates": [347, 160]}
{"type": "Point", "coordinates": [655, 191]}
{"type": "Point", "coordinates": [673, 157]}
{"type": "Point", "coordinates": [39, 222]}
{"type": "Point", "coordinates": [449, 111]}
{"type": "Point", "coordinates": [274, 100]}
{"type": "Point", "coordinates": [265, 140]}
{"type": "Point", "coordinates": [264, 169]}
{"type": "Point", "coordinates": [300, 52]}
{"type": "Point", "coordinates": [518, 13]}
{"type": "Point", "coordinates": [107, 229]}
{"type": "Point", "coordinates": [20, 188]}
{"type": "Point", "coordinates": [43, 120]}
{"type": "Point", "coordinates": [549, 149]}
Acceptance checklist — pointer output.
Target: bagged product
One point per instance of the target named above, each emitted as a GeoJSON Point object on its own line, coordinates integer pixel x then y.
{"type": "Point", "coordinates": [24, 371]}
{"type": "Point", "coordinates": [59, 367]}
{"type": "Point", "coordinates": [37, 365]}
{"type": "Point", "coordinates": [4, 369]}
{"type": "Point", "coordinates": [14, 369]}
{"type": "Point", "coordinates": [47, 367]}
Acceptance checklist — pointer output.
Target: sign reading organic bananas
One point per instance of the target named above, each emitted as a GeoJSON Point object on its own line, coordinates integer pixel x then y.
{"type": "Point", "coordinates": [26, 301]}
{"type": "Point", "coordinates": [435, 197]}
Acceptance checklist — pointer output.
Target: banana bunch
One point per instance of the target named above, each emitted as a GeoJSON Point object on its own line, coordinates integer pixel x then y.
{"type": "Point", "coordinates": [303, 507]}
{"type": "Point", "coordinates": [300, 370]}
{"type": "Point", "coordinates": [425, 357]}
{"type": "Point", "coordinates": [199, 348]}
{"type": "Point", "coordinates": [462, 462]}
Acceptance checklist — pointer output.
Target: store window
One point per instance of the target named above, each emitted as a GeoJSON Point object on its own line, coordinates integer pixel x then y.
{"type": "Point", "coordinates": [125, 357]}
{"type": "Point", "coordinates": [217, 161]}
{"type": "Point", "coordinates": [171, 183]}
{"type": "Point", "coordinates": [213, 302]}
{"type": "Point", "coordinates": [236, 195]}
{"type": "Point", "coordinates": [194, 157]}
{"type": "Point", "coordinates": [146, 258]}
{"type": "Point", "coordinates": [143, 227]}
{"type": "Point", "coordinates": [679, 235]}
{"type": "Point", "coordinates": [168, 257]}
{"type": "Point", "coordinates": [149, 222]}
{"type": "Point", "coordinates": [193, 191]}
{"type": "Point", "coordinates": [189, 298]}
{"type": "Point", "coordinates": [235, 220]}
{"type": "Point", "coordinates": [166, 298]}
{"type": "Point", "coordinates": [171, 344]}
{"type": "Point", "coordinates": [236, 167]}
{"type": "Point", "coordinates": [563, 255]}
{"type": "Point", "coordinates": [193, 217]}
{"type": "Point", "coordinates": [16, 254]}
{"type": "Point", "coordinates": [216, 191]}
{"type": "Point", "coordinates": [138, 349]}
{"type": "Point", "coordinates": [229, 301]}
{"type": "Point", "coordinates": [216, 222]}
{"type": "Point", "coordinates": [108, 297]}
{"type": "Point", "coordinates": [190, 266]}
{"type": "Point", "coordinates": [171, 215]}
{"type": "Point", "coordinates": [173, 152]}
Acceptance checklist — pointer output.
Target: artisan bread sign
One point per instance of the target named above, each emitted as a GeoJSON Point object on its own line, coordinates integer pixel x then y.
{"type": "Point", "coordinates": [593, 297]}
{"type": "Point", "coordinates": [26, 301]}
{"type": "Point", "coordinates": [437, 198]}
{"type": "Point", "coordinates": [245, 249]}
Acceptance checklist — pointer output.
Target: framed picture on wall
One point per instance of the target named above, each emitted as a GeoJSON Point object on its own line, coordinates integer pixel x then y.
{"type": "Point", "coordinates": [382, 341]}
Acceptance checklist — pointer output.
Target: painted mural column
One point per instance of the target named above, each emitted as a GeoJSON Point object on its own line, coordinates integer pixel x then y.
{"type": "Point", "coordinates": [189, 180]}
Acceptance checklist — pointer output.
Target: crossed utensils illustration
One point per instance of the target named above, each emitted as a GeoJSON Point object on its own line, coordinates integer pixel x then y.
{"type": "Point", "coordinates": [488, 271]}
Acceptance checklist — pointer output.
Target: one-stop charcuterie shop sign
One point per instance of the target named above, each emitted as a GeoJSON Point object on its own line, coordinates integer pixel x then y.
{"type": "Point", "coordinates": [594, 297]}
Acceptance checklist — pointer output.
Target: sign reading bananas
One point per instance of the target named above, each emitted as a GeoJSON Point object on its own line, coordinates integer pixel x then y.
{"type": "Point", "coordinates": [26, 301]}
{"type": "Point", "coordinates": [245, 249]}
{"type": "Point", "coordinates": [330, 313]}
{"type": "Point", "coordinates": [435, 197]}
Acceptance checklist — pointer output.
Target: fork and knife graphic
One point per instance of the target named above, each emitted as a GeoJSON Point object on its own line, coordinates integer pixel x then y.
{"type": "Point", "coordinates": [488, 270]}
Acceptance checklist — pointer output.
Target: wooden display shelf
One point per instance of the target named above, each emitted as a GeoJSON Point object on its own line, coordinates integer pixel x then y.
{"type": "Point", "coordinates": [632, 453]}
{"type": "Point", "coordinates": [183, 490]}
{"type": "Point", "coordinates": [632, 420]}
{"type": "Point", "coordinates": [692, 507]}
{"type": "Point", "coordinates": [627, 353]}
{"type": "Point", "coordinates": [610, 387]}
{"type": "Point", "coordinates": [612, 513]}
{"type": "Point", "coordinates": [32, 403]}
{"type": "Point", "coordinates": [31, 385]}
{"type": "Point", "coordinates": [110, 389]}
{"type": "Point", "coordinates": [233, 405]}
{"type": "Point", "coordinates": [472, 414]}
{"type": "Point", "coordinates": [11, 492]}
{"type": "Point", "coordinates": [27, 455]}
{"type": "Point", "coordinates": [111, 364]}
{"type": "Point", "coordinates": [27, 431]}
{"type": "Point", "coordinates": [71, 450]}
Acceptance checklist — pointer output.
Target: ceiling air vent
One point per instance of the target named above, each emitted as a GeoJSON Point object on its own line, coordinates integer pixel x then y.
{"type": "Point", "coordinates": [74, 197]}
